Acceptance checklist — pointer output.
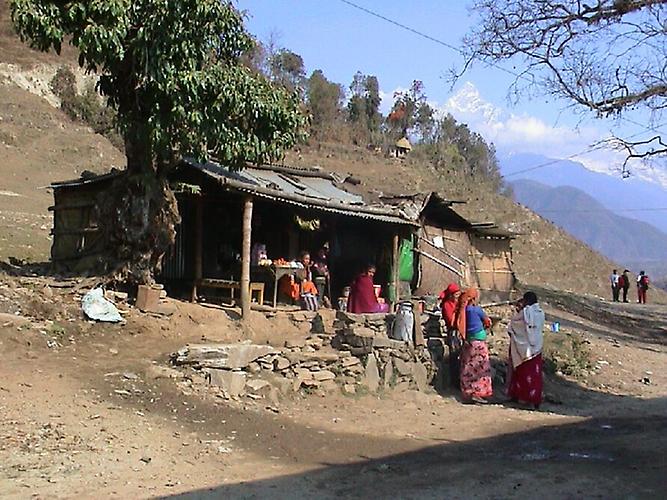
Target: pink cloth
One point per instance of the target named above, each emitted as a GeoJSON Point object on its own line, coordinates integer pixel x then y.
{"type": "Point", "coordinates": [476, 370]}
{"type": "Point", "coordinates": [362, 297]}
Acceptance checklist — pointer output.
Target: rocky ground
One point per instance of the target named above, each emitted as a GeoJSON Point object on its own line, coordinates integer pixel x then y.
{"type": "Point", "coordinates": [92, 409]}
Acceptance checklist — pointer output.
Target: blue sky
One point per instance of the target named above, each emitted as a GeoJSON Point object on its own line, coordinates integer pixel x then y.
{"type": "Point", "coordinates": [339, 39]}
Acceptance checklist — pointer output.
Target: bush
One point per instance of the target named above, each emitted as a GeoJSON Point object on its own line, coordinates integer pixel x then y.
{"type": "Point", "coordinates": [87, 107]}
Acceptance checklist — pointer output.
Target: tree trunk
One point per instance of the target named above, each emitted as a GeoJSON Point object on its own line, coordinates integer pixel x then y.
{"type": "Point", "coordinates": [138, 216]}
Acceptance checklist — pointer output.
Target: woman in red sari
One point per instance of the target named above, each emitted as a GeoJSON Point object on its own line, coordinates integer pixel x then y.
{"type": "Point", "coordinates": [526, 339]}
{"type": "Point", "coordinates": [362, 297]}
{"type": "Point", "coordinates": [472, 322]}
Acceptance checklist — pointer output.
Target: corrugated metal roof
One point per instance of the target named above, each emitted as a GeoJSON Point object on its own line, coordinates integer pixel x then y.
{"type": "Point", "coordinates": [314, 192]}
{"type": "Point", "coordinates": [311, 187]}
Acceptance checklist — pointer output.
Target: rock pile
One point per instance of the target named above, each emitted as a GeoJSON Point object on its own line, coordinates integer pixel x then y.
{"type": "Point", "coordinates": [388, 363]}
{"type": "Point", "coordinates": [359, 354]}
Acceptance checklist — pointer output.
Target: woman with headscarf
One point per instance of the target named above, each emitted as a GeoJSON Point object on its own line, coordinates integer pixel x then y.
{"type": "Point", "coordinates": [449, 297]}
{"type": "Point", "coordinates": [526, 339]}
{"type": "Point", "coordinates": [362, 299]}
{"type": "Point", "coordinates": [472, 322]}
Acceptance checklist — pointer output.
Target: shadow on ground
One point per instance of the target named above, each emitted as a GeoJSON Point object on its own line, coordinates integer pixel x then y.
{"type": "Point", "coordinates": [613, 457]}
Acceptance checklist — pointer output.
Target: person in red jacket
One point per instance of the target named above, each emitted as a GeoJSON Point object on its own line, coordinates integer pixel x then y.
{"type": "Point", "coordinates": [642, 287]}
{"type": "Point", "coordinates": [449, 297]}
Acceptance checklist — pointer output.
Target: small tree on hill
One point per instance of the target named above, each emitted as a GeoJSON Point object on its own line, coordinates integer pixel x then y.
{"type": "Point", "coordinates": [172, 71]}
{"type": "Point", "coordinates": [324, 99]}
{"type": "Point", "coordinates": [411, 113]}
{"type": "Point", "coordinates": [363, 107]}
{"type": "Point", "coordinates": [287, 69]}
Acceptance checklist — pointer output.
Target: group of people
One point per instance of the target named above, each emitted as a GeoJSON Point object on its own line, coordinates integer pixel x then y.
{"type": "Point", "coordinates": [621, 282]}
{"type": "Point", "coordinates": [470, 366]}
{"type": "Point", "coordinates": [309, 284]}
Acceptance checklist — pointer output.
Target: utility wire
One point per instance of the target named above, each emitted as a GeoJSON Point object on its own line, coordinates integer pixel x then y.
{"type": "Point", "coordinates": [459, 51]}
{"type": "Point", "coordinates": [571, 157]}
{"type": "Point", "coordinates": [612, 210]}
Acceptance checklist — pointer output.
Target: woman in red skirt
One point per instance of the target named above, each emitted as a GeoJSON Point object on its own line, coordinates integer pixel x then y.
{"type": "Point", "coordinates": [526, 340]}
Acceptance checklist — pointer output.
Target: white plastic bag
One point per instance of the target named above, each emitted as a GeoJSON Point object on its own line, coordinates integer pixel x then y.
{"type": "Point", "coordinates": [96, 307]}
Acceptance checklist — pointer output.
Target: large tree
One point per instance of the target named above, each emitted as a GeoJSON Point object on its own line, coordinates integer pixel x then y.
{"type": "Point", "coordinates": [324, 99]}
{"type": "Point", "coordinates": [411, 113]}
{"type": "Point", "coordinates": [171, 69]}
{"type": "Point", "coordinates": [605, 56]}
{"type": "Point", "coordinates": [363, 108]}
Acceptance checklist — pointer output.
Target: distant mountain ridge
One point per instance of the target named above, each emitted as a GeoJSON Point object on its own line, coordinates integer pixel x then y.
{"type": "Point", "coordinates": [612, 191]}
{"type": "Point", "coordinates": [622, 239]}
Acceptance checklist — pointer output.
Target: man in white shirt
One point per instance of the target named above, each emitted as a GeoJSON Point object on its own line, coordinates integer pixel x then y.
{"type": "Point", "coordinates": [614, 285]}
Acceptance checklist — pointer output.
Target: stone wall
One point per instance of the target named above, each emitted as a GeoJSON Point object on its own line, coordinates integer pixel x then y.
{"type": "Point", "coordinates": [357, 357]}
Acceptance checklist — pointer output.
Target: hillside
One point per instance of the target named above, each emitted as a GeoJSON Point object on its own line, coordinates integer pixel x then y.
{"type": "Point", "coordinates": [620, 238]}
{"type": "Point", "coordinates": [42, 145]}
{"type": "Point", "coordinates": [544, 254]}
{"type": "Point", "coordinates": [39, 145]}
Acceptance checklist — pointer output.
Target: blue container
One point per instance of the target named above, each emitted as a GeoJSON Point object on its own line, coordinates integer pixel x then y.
{"type": "Point", "coordinates": [555, 326]}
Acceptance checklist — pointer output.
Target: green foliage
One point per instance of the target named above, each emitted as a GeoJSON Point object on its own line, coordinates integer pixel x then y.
{"type": "Point", "coordinates": [458, 152]}
{"type": "Point", "coordinates": [363, 108]}
{"type": "Point", "coordinates": [287, 69]}
{"type": "Point", "coordinates": [568, 354]}
{"type": "Point", "coordinates": [87, 107]}
{"type": "Point", "coordinates": [171, 69]}
{"type": "Point", "coordinates": [409, 111]}
{"type": "Point", "coordinates": [324, 99]}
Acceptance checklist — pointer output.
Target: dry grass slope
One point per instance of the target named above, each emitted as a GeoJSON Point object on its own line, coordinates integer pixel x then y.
{"type": "Point", "coordinates": [41, 145]}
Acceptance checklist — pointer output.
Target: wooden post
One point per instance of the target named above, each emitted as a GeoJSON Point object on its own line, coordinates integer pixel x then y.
{"type": "Point", "coordinates": [245, 257]}
{"type": "Point", "coordinates": [395, 269]}
{"type": "Point", "coordinates": [199, 245]}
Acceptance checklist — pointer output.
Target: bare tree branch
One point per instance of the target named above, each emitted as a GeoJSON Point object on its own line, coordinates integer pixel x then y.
{"type": "Point", "coordinates": [608, 57]}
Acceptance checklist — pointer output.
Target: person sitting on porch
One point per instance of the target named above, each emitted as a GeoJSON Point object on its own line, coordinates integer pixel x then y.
{"type": "Point", "coordinates": [321, 274]}
{"type": "Point", "coordinates": [362, 294]}
{"type": "Point", "coordinates": [293, 286]}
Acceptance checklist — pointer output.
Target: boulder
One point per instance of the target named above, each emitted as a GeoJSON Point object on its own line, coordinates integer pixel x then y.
{"type": "Point", "coordinates": [349, 389]}
{"type": "Point", "coordinates": [258, 386]}
{"type": "Point", "coordinates": [403, 368]}
{"type": "Point", "coordinates": [233, 383]}
{"type": "Point", "coordinates": [229, 356]}
{"type": "Point", "coordinates": [420, 376]}
{"type": "Point", "coordinates": [351, 361]}
{"type": "Point", "coordinates": [303, 373]}
{"type": "Point", "coordinates": [295, 343]}
{"type": "Point", "coordinates": [371, 375]}
{"type": "Point", "coordinates": [324, 375]}
{"type": "Point", "coordinates": [281, 363]}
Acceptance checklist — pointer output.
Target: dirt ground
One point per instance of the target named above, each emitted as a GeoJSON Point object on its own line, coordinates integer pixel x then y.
{"type": "Point", "coordinates": [90, 410]}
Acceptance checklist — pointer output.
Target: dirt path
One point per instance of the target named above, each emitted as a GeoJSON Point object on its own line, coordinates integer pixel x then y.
{"type": "Point", "coordinates": [96, 417]}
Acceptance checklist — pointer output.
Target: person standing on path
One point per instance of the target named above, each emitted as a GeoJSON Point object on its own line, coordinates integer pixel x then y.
{"type": "Point", "coordinates": [613, 279]}
{"type": "Point", "coordinates": [526, 340]}
{"type": "Point", "coordinates": [625, 285]}
{"type": "Point", "coordinates": [472, 323]}
{"type": "Point", "coordinates": [450, 297]}
{"type": "Point", "coordinates": [642, 287]}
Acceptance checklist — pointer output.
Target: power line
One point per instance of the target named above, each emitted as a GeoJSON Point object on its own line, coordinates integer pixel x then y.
{"type": "Point", "coordinates": [593, 210]}
{"type": "Point", "coordinates": [571, 157]}
{"type": "Point", "coordinates": [459, 51]}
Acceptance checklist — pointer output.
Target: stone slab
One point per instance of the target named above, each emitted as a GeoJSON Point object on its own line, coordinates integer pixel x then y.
{"type": "Point", "coordinates": [229, 356]}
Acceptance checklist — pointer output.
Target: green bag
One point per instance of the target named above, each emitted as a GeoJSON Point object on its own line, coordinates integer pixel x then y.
{"type": "Point", "coordinates": [406, 261]}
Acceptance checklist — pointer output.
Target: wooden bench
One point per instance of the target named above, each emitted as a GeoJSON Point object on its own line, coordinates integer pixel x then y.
{"type": "Point", "coordinates": [230, 285]}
